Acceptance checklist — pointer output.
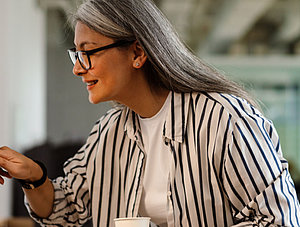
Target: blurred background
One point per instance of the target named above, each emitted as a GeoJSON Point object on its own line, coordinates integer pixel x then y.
{"type": "Point", "coordinates": [44, 108]}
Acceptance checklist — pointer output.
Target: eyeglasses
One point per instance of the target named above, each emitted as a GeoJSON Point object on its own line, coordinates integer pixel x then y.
{"type": "Point", "coordinates": [83, 56]}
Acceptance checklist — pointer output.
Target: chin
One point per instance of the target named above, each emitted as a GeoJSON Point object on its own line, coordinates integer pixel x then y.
{"type": "Point", "coordinates": [97, 99]}
{"type": "Point", "coordinates": [94, 101]}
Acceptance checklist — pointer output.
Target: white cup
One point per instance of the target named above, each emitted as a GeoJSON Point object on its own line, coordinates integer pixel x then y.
{"type": "Point", "coordinates": [132, 222]}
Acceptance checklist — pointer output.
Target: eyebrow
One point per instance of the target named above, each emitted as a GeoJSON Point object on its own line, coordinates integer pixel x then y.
{"type": "Point", "coordinates": [81, 45]}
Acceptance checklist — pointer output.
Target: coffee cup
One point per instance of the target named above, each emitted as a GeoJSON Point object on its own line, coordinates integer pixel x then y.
{"type": "Point", "coordinates": [132, 222]}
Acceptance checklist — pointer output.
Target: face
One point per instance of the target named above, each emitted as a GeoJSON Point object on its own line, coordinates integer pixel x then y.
{"type": "Point", "coordinates": [112, 75]}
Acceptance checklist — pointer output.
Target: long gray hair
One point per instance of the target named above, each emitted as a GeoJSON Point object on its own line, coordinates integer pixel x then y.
{"type": "Point", "coordinates": [171, 64]}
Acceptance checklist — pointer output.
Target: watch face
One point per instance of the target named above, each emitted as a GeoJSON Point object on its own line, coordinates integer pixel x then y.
{"type": "Point", "coordinates": [28, 186]}
{"type": "Point", "coordinates": [25, 184]}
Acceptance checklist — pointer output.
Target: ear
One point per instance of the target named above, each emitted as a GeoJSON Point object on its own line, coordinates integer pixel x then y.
{"type": "Point", "coordinates": [139, 57]}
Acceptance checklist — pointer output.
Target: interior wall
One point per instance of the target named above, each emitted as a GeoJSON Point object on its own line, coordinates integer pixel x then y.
{"type": "Point", "coordinates": [70, 116]}
{"type": "Point", "coordinates": [22, 80]}
{"type": "Point", "coordinates": [40, 99]}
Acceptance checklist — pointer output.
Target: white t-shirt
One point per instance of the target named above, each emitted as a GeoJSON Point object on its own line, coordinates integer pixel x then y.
{"type": "Point", "coordinates": [154, 199]}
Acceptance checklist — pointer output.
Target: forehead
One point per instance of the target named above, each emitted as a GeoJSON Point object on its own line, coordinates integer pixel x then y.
{"type": "Point", "coordinates": [85, 35]}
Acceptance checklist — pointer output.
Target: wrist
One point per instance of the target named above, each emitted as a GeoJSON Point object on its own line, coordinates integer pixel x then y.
{"type": "Point", "coordinates": [36, 173]}
{"type": "Point", "coordinates": [37, 179]}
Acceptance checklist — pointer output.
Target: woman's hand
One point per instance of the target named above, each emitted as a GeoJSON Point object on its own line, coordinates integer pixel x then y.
{"type": "Point", "coordinates": [3, 173]}
{"type": "Point", "coordinates": [14, 164]}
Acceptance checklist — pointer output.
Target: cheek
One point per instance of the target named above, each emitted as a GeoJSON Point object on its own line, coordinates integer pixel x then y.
{"type": "Point", "coordinates": [118, 71]}
{"type": "Point", "coordinates": [114, 70]}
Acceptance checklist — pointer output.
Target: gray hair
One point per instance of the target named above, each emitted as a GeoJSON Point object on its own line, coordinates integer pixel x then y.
{"type": "Point", "coordinates": [171, 64]}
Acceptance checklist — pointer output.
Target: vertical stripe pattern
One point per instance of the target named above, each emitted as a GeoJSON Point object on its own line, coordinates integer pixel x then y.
{"type": "Point", "coordinates": [227, 168]}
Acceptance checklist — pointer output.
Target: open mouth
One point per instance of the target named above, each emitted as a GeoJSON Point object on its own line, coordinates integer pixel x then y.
{"type": "Point", "coordinates": [91, 83]}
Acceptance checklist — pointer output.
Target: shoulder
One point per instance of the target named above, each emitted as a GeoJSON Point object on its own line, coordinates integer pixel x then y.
{"type": "Point", "coordinates": [234, 106]}
{"type": "Point", "coordinates": [235, 115]}
{"type": "Point", "coordinates": [108, 120]}
{"type": "Point", "coordinates": [230, 109]}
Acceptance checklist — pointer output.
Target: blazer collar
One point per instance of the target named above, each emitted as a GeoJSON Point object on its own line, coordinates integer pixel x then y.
{"type": "Point", "coordinates": [175, 124]}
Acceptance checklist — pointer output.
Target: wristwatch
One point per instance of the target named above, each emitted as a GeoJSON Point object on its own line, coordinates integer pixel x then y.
{"type": "Point", "coordinates": [35, 184]}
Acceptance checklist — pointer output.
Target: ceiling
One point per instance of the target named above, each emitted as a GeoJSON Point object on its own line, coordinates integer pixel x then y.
{"type": "Point", "coordinates": [236, 27]}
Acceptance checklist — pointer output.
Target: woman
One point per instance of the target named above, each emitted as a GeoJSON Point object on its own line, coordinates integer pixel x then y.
{"type": "Point", "coordinates": [185, 146]}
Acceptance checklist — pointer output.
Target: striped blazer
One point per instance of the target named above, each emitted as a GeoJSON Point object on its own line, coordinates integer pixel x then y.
{"type": "Point", "coordinates": [227, 168]}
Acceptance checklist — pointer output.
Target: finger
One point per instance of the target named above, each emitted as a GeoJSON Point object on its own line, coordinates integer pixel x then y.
{"type": "Point", "coordinates": [4, 173]}
{"type": "Point", "coordinates": [2, 162]}
{"type": "Point", "coordinates": [6, 152]}
{"type": "Point", "coordinates": [4, 168]}
{"type": "Point", "coordinates": [4, 148]}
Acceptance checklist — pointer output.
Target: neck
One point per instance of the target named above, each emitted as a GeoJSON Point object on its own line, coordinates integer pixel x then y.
{"type": "Point", "coordinates": [150, 105]}
{"type": "Point", "coordinates": [147, 103]}
{"type": "Point", "coordinates": [141, 98]}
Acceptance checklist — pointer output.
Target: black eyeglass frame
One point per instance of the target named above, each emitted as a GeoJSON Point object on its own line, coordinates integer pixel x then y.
{"type": "Point", "coordinates": [91, 52]}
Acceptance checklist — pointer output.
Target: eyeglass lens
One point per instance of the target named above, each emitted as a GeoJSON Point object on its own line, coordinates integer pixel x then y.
{"type": "Point", "coordinates": [82, 57]}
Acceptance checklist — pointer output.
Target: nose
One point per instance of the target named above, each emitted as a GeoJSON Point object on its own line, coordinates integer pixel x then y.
{"type": "Point", "coordinates": [77, 69]}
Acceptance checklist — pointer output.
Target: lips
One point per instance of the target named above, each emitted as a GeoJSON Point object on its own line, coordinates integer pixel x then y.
{"type": "Point", "coordinates": [90, 83]}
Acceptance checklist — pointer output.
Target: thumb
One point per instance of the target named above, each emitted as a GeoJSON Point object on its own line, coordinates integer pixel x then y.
{"type": "Point", "coordinates": [4, 173]}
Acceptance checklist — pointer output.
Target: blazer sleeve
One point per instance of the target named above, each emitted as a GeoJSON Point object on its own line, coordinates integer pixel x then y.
{"type": "Point", "coordinates": [257, 182]}
{"type": "Point", "coordinates": [72, 202]}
